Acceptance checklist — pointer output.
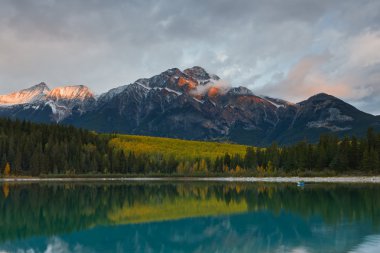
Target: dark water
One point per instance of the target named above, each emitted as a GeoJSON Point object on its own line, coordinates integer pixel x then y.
{"type": "Point", "coordinates": [189, 217]}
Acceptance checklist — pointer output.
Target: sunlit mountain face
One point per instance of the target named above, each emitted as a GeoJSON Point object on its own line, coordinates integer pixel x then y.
{"type": "Point", "coordinates": [25, 96]}
{"type": "Point", "coordinates": [40, 104]}
{"type": "Point", "coordinates": [184, 217]}
{"type": "Point", "coordinates": [41, 92]}
{"type": "Point", "coordinates": [189, 104]}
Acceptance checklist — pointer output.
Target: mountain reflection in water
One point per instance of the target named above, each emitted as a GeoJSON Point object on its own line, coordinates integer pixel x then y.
{"type": "Point", "coordinates": [189, 217]}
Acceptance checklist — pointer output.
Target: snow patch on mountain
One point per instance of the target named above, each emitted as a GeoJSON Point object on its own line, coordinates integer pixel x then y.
{"type": "Point", "coordinates": [327, 125]}
{"type": "Point", "coordinates": [52, 105]}
{"type": "Point", "coordinates": [144, 86]}
{"type": "Point", "coordinates": [59, 111]}
{"type": "Point", "coordinates": [335, 116]}
{"type": "Point", "coordinates": [278, 103]}
{"type": "Point", "coordinates": [199, 101]}
{"type": "Point", "coordinates": [111, 94]}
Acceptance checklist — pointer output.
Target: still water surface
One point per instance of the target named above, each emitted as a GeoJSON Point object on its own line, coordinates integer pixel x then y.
{"type": "Point", "coordinates": [189, 217]}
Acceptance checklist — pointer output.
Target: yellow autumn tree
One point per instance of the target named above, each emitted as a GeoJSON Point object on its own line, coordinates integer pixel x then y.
{"type": "Point", "coordinates": [260, 170]}
{"type": "Point", "coordinates": [203, 166]}
{"type": "Point", "coordinates": [6, 190]}
{"type": "Point", "coordinates": [7, 169]}
{"type": "Point", "coordinates": [270, 168]}
{"type": "Point", "coordinates": [181, 168]}
{"type": "Point", "coordinates": [195, 167]}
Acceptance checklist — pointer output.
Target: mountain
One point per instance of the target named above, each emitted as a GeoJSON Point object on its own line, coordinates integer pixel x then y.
{"type": "Point", "coordinates": [30, 95]}
{"type": "Point", "coordinates": [189, 104]}
{"type": "Point", "coordinates": [41, 104]}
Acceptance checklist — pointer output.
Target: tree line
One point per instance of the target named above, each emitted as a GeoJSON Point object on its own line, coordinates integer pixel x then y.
{"type": "Point", "coordinates": [350, 154]}
{"type": "Point", "coordinates": [35, 149]}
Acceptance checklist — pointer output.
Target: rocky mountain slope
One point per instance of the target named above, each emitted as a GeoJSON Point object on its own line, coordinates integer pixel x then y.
{"type": "Point", "coordinates": [190, 104]}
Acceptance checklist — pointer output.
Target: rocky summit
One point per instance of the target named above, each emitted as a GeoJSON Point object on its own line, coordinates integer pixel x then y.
{"type": "Point", "coordinates": [189, 104]}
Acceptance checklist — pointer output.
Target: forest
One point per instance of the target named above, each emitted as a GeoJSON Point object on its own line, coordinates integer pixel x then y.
{"type": "Point", "coordinates": [30, 149]}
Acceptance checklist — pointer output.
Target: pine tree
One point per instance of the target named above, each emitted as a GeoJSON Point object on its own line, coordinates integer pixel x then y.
{"type": "Point", "coordinates": [353, 156]}
{"type": "Point", "coordinates": [366, 163]}
{"type": "Point", "coordinates": [227, 160]}
{"type": "Point", "coordinates": [249, 158]}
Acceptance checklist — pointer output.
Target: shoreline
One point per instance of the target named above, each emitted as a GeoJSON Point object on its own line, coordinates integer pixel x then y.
{"type": "Point", "coordinates": [343, 179]}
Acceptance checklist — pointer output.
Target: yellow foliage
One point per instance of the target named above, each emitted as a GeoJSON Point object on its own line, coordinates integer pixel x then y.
{"type": "Point", "coordinates": [174, 209]}
{"type": "Point", "coordinates": [6, 190]}
{"type": "Point", "coordinates": [195, 167]}
{"type": "Point", "coordinates": [260, 170]}
{"type": "Point", "coordinates": [7, 169]}
{"type": "Point", "coordinates": [181, 168]}
{"type": "Point", "coordinates": [182, 150]}
{"type": "Point", "coordinates": [269, 168]}
{"type": "Point", "coordinates": [203, 166]}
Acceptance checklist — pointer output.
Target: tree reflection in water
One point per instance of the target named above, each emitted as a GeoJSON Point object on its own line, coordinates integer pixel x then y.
{"type": "Point", "coordinates": [188, 217]}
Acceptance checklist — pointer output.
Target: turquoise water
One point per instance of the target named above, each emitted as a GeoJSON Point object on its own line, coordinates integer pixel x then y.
{"type": "Point", "coordinates": [189, 217]}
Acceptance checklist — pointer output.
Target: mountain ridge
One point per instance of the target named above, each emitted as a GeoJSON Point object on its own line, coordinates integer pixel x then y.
{"type": "Point", "coordinates": [193, 104]}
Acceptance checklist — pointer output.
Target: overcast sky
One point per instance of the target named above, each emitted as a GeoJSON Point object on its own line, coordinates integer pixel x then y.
{"type": "Point", "coordinates": [290, 49]}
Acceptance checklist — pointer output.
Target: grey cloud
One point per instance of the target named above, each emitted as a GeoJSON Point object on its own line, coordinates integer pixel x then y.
{"type": "Point", "coordinates": [104, 44]}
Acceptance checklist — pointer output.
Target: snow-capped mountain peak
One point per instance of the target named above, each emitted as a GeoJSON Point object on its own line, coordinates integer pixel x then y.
{"type": "Point", "coordinates": [25, 96]}
{"type": "Point", "coordinates": [191, 104]}
{"type": "Point", "coordinates": [62, 101]}
{"type": "Point", "coordinates": [74, 92]}
{"type": "Point", "coordinates": [111, 93]}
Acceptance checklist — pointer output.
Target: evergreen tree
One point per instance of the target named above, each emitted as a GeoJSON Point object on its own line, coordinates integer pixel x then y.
{"type": "Point", "coordinates": [249, 158]}
{"type": "Point", "coordinates": [227, 160]}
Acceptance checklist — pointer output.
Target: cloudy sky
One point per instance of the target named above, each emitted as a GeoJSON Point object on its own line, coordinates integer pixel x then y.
{"type": "Point", "coordinates": [290, 49]}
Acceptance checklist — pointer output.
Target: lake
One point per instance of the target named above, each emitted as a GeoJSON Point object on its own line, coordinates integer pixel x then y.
{"type": "Point", "coordinates": [189, 217]}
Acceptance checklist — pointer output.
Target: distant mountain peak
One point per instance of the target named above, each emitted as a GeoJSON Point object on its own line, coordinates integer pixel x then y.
{"type": "Point", "coordinates": [41, 85]}
{"type": "Point", "coordinates": [322, 96]}
{"type": "Point", "coordinates": [25, 96]}
{"type": "Point", "coordinates": [200, 74]}
{"type": "Point", "coordinates": [172, 71]}
{"type": "Point", "coordinates": [107, 96]}
{"type": "Point", "coordinates": [197, 72]}
{"type": "Point", "coordinates": [78, 92]}
{"type": "Point", "coordinates": [240, 91]}
{"type": "Point", "coordinates": [177, 80]}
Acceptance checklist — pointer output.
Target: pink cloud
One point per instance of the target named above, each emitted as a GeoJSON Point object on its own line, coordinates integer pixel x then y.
{"type": "Point", "coordinates": [306, 79]}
